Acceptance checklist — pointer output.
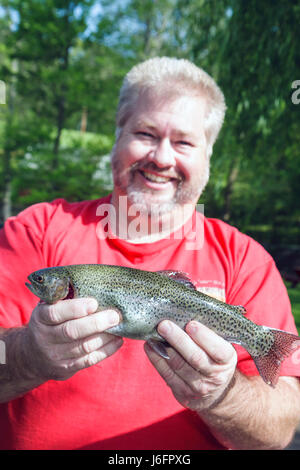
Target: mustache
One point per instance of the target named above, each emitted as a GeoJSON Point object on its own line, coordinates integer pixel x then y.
{"type": "Point", "coordinates": [164, 171]}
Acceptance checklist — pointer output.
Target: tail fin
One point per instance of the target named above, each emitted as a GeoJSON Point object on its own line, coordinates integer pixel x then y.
{"type": "Point", "coordinates": [269, 366]}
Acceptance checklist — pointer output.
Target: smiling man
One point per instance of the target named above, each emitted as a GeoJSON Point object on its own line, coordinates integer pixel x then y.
{"type": "Point", "coordinates": [66, 382]}
{"type": "Point", "coordinates": [160, 159]}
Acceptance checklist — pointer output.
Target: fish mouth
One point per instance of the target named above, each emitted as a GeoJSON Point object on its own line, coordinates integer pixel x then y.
{"type": "Point", "coordinates": [71, 292]}
{"type": "Point", "coordinates": [30, 287]}
{"type": "Point", "coordinates": [36, 290]}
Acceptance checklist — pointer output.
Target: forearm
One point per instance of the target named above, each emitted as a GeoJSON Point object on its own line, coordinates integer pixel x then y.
{"type": "Point", "coordinates": [16, 376]}
{"type": "Point", "coordinates": [255, 416]}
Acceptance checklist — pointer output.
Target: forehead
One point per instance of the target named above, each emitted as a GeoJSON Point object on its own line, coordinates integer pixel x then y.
{"type": "Point", "coordinates": [182, 113]}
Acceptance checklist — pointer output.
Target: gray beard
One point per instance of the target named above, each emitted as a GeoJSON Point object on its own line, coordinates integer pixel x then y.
{"type": "Point", "coordinates": [145, 204]}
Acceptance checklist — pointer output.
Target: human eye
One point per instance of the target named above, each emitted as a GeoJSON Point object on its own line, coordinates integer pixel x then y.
{"type": "Point", "coordinates": [184, 144]}
{"type": "Point", "coordinates": [145, 134]}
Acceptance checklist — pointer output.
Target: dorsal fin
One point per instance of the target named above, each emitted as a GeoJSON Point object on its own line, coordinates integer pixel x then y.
{"type": "Point", "coordinates": [178, 276]}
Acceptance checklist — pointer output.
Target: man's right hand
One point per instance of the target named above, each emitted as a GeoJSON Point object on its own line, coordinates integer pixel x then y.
{"type": "Point", "coordinates": [68, 336]}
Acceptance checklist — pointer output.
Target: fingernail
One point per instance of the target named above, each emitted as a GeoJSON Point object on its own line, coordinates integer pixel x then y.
{"type": "Point", "coordinates": [92, 306]}
{"type": "Point", "coordinates": [114, 318]}
{"type": "Point", "coordinates": [192, 327]}
{"type": "Point", "coordinates": [165, 327]}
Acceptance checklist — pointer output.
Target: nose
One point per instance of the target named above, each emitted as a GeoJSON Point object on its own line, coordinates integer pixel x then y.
{"type": "Point", "coordinates": [163, 154]}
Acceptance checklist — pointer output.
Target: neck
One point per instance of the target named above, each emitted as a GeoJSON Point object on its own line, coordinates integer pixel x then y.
{"type": "Point", "coordinates": [141, 227]}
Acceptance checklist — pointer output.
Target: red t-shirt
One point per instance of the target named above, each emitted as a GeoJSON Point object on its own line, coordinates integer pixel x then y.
{"type": "Point", "coordinates": [123, 403]}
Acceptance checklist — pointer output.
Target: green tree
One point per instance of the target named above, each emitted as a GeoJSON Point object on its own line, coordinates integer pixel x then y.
{"type": "Point", "coordinates": [251, 49]}
{"type": "Point", "coordinates": [43, 40]}
{"type": "Point", "coordinates": [138, 30]}
{"type": "Point", "coordinates": [53, 73]}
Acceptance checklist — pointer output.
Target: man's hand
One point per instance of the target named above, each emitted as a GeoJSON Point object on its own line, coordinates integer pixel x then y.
{"type": "Point", "coordinates": [68, 336]}
{"type": "Point", "coordinates": [201, 365]}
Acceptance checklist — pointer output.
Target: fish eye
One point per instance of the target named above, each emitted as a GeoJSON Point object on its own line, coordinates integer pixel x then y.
{"type": "Point", "coordinates": [39, 278]}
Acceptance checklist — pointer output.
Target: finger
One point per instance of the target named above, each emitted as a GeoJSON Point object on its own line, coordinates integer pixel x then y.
{"type": "Point", "coordinates": [84, 327]}
{"type": "Point", "coordinates": [191, 377]}
{"type": "Point", "coordinates": [81, 348]}
{"type": "Point", "coordinates": [212, 345]}
{"type": "Point", "coordinates": [216, 347]}
{"type": "Point", "coordinates": [65, 310]}
{"type": "Point", "coordinates": [190, 387]}
{"type": "Point", "coordinates": [173, 380]}
{"type": "Point", "coordinates": [190, 357]}
{"type": "Point", "coordinates": [97, 356]}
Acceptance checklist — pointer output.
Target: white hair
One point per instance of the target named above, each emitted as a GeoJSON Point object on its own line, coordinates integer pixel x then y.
{"type": "Point", "coordinates": [168, 77]}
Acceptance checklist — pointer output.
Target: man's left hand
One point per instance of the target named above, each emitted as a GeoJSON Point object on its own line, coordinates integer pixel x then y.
{"type": "Point", "coordinates": [201, 365]}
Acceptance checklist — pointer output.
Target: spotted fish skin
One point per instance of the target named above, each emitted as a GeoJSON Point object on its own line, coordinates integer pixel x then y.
{"type": "Point", "coordinates": [146, 298]}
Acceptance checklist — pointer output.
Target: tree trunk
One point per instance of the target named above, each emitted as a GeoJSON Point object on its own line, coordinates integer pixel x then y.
{"type": "Point", "coordinates": [83, 124]}
{"type": "Point", "coordinates": [61, 109]}
{"type": "Point", "coordinates": [60, 124]}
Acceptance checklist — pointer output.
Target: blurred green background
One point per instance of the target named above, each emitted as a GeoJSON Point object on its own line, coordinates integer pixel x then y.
{"type": "Point", "coordinates": [61, 67]}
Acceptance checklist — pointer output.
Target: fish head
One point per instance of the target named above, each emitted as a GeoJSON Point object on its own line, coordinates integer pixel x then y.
{"type": "Point", "coordinates": [50, 284]}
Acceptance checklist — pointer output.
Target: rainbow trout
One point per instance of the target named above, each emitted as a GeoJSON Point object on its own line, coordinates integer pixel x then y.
{"type": "Point", "coordinates": [146, 298]}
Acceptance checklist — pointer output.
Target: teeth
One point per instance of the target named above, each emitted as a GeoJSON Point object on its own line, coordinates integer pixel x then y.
{"type": "Point", "coordinates": [156, 179]}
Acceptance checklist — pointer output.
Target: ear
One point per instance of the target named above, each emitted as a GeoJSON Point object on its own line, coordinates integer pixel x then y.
{"type": "Point", "coordinates": [209, 151]}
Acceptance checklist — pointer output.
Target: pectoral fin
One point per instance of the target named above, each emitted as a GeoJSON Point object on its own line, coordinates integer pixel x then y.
{"type": "Point", "coordinates": [159, 347]}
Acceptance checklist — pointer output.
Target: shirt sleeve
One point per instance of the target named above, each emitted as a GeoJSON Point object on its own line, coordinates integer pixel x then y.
{"type": "Point", "coordinates": [258, 286]}
{"type": "Point", "coordinates": [20, 254]}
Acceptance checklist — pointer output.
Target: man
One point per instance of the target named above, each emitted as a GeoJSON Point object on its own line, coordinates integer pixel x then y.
{"type": "Point", "coordinates": [67, 383]}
